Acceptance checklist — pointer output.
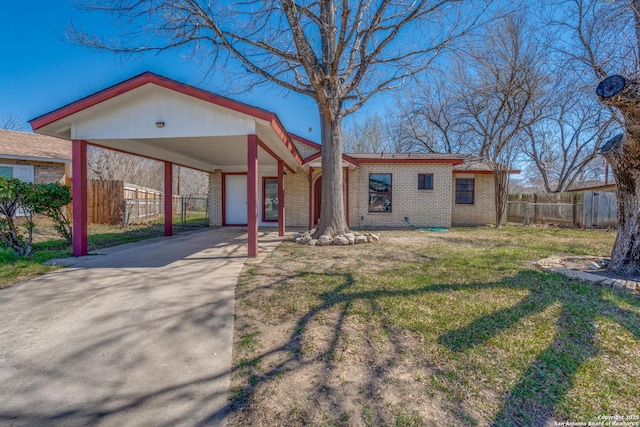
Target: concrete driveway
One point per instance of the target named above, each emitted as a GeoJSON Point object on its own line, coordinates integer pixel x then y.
{"type": "Point", "coordinates": [139, 336]}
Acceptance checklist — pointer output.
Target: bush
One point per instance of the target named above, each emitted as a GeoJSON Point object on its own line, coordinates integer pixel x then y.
{"type": "Point", "coordinates": [14, 195]}
{"type": "Point", "coordinates": [45, 199]}
{"type": "Point", "coordinates": [51, 200]}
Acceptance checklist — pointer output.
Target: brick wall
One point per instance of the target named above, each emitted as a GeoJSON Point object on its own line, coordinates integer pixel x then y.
{"type": "Point", "coordinates": [424, 208]}
{"type": "Point", "coordinates": [48, 172]}
{"type": "Point", "coordinates": [43, 172]}
{"type": "Point", "coordinates": [482, 211]}
{"type": "Point", "coordinates": [296, 190]}
{"type": "Point", "coordinates": [215, 199]}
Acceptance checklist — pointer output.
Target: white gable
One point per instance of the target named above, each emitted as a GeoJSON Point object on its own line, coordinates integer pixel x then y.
{"type": "Point", "coordinates": [134, 114]}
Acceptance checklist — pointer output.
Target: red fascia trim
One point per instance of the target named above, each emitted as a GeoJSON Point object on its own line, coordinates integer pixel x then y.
{"type": "Point", "coordinates": [311, 158]}
{"type": "Point", "coordinates": [448, 161]}
{"type": "Point", "coordinates": [482, 172]}
{"type": "Point", "coordinates": [305, 140]}
{"type": "Point", "coordinates": [141, 80]}
{"type": "Point", "coordinates": [345, 157]}
{"type": "Point", "coordinates": [272, 154]}
{"type": "Point", "coordinates": [279, 129]}
{"type": "Point", "coordinates": [264, 187]}
{"type": "Point", "coordinates": [350, 159]}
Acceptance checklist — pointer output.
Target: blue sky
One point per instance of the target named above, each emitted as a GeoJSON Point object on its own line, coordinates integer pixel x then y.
{"type": "Point", "coordinates": [40, 72]}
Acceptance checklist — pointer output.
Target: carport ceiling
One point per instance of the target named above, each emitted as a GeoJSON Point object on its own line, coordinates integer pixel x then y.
{"type": "Point", "coordinates": [228, 153]}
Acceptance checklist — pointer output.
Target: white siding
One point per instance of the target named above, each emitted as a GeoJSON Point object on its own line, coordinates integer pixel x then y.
{"type": "Point", "coordinates": [134, 115]}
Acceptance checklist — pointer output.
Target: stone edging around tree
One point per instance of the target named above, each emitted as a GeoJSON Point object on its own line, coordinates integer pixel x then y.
{"type": "Point", "coordinates": [554, 264]}
{"type": "Point", "coordinates": [352, 238]}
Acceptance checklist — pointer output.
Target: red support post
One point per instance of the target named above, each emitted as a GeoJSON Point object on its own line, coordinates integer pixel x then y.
{"type": "Point", "coordinates": [346, 192]}
{"type": "Point", "coordinates": [310, 198]}
{"type": "Point", "coordinates": [252, 195]}
{"type": "Point", "coordinates": [281, 222]}
{"type": "Point", "coordinates": [168, 198]}
{"type": "Point", "coordinates": [79, 195]}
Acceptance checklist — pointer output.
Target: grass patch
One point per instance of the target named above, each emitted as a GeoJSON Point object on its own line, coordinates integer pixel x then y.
{"type": "Point", "coordinates": [439, 329]}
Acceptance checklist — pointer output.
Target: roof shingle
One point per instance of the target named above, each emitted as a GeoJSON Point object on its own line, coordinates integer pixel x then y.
{"type": "Point", "coordinates": [33, 146]}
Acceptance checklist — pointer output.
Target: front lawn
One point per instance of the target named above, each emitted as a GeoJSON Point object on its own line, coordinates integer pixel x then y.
{"type": "Point", "coordinates": [437, 329]}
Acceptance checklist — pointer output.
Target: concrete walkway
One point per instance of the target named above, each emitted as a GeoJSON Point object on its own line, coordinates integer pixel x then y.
{"type": "Point", "coordinates": [140, 336]}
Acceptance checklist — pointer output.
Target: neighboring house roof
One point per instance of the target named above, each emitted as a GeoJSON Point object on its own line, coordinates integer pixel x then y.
{"type": "Point", "coordinates": [476, 165]}
{"type": "Point", "coordinates": [600, 187]}
{"type": "Point", "coordinates": [32, 146]}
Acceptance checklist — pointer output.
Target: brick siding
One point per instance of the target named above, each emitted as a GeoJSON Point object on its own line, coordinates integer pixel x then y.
{"type": "Point", "coordinates": [424, 208]}
{"type": "Point", "coordinates": [482, 211]}
{"type": "Point", "coordinates": [43, 172]}
{"type": "Point", "coordinates": [215, 199]}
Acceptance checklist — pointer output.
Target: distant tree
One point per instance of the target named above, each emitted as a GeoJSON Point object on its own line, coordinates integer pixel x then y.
{"type": "Point", "coordinates": [370, 135]}
{"type": "Point", "coordinates": [11, 121]}
{"type": "Point", "coordinates": [340, 54]}
{"type": "Point", "coordinates": [486, 102]}
{"type": "Point", "coordinates": [429, 120]}
{"type": "Point", "coordinates": [565, 143]}
{"type": "Point", "coordinates": [113, 165]}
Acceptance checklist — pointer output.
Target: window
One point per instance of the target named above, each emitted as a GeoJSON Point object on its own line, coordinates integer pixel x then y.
{"type": "Point", "coordinates": [464, 191]}
{"type": "Point", "coordinates": [270, 199]}
{"type": "Point", "coordinates": [6, 171]}
{"type": "Point", "coordinates": [425, 181]}
{"type": "Point", "coordinates": [24, 173]}
{"type": "Point", "coordinates": [379, 192]}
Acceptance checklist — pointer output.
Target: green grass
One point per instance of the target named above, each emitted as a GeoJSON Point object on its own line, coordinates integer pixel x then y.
{"type": "Point", "coordinates": [15, 269]}
{"type": "Point", "coordinates": [497, 342]}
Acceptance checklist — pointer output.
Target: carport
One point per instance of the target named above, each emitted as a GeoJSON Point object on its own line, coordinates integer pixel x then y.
{"type": "Point", "coordinates": [161, 119]}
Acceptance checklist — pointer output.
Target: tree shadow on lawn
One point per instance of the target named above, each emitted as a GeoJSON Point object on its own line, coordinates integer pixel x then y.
{"type": "Point", "coordinates": [548, 379]}
{"type": "Point", "coordinates": [531, 401]}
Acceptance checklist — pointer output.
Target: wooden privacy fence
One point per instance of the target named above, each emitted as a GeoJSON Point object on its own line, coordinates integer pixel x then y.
{"type": "Point", "coordinates": [117, 202]}
{"type": "Point", "coordinates": [105, 201]}
{"type": "Point", "coordinates": [588, 209]}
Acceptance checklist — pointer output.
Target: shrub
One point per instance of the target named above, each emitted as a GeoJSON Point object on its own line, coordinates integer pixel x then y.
{"type": "Point", "coordinates": [51, 200]}
{"type": "Point", "coordinates": [14, 195]}
{"type": "Point", "coordinates": [45, 199]}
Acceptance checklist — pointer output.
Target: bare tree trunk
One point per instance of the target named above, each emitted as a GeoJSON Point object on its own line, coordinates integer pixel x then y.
{"type": "Point", "coordinates": [332, 214]}
{"type": "Point", "coordinates": [623, 154]}
{"type": "Point", "coordinates": [501, 182]}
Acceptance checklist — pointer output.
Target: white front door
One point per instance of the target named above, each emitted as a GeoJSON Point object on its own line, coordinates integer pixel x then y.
{"type": "Point", "coordinates": [236, 199]}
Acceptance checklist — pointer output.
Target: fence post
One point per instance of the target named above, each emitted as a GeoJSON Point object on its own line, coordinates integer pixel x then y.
{"type": "Point", "coordinates": [535, 208]}
{"type": "Point", "coordinates": [526, 213]}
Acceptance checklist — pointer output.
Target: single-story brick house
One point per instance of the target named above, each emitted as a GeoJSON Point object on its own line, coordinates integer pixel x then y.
{"type": "Point", "coordinates": [383, 190]}
{"type": "Point", "coordinates": [32, 157]}
{"type": "Point", "coordinates": [254, 163]}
